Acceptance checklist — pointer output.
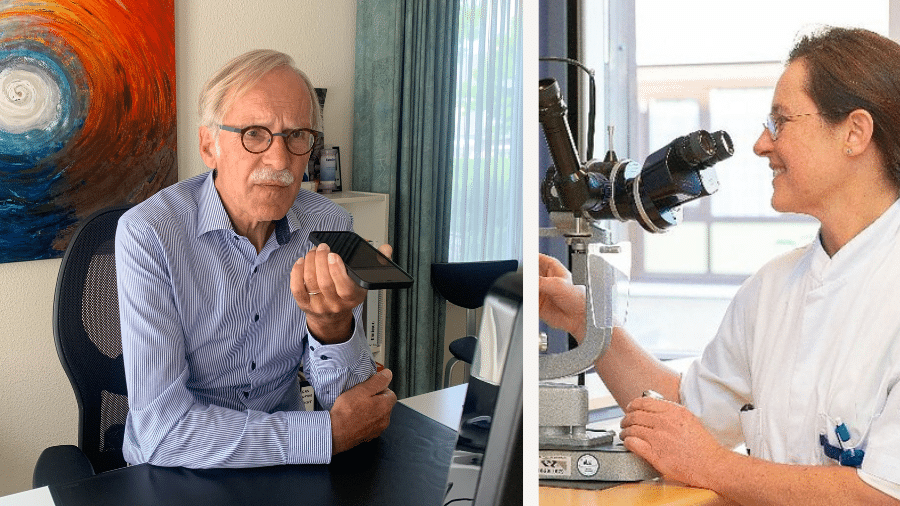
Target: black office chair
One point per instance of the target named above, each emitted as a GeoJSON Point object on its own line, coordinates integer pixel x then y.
{"type": "Point", "coordinates": [89, 345]}
{"type": "Point", "coordinates": [466, 284]}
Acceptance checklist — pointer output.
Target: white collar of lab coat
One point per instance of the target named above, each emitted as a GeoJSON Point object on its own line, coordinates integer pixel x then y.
{"type": "Point", "coordinates": [866, 247]}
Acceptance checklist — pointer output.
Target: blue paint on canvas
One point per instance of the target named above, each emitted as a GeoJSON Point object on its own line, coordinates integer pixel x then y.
{"type": "Point", "coordinates": [30, 137]}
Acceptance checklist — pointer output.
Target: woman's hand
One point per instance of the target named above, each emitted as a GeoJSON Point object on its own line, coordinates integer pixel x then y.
{"type": "Point", "coordinates": [561, 304]}
{"type": "Point", "coordinates": [672, 440]}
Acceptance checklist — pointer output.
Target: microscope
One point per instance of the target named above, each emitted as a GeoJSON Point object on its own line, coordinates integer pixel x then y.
{"type": "Point", "coordinates": [581, 198]}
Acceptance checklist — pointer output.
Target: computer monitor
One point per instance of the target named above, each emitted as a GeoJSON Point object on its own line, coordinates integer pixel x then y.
{"type": "Point", "coordinates": [486, 467]}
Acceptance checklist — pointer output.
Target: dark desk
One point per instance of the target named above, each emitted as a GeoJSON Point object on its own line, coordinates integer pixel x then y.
{"type": "Point", "coordinates": [407, 465]}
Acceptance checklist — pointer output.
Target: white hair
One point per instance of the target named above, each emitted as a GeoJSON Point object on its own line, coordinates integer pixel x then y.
{"type": "Point", "coordinates": [240, 75]}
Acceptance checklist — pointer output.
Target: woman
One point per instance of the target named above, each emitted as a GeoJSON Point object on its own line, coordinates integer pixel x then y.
{"type": "Point", "coordinates": [804, 365]}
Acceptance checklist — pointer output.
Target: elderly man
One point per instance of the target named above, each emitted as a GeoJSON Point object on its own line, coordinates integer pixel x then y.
{"type": "Point", "coordinates": [223, 297]}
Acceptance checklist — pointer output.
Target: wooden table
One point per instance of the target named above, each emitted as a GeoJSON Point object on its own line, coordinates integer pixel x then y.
{"type": "Point", "coordinates": [650, 493]}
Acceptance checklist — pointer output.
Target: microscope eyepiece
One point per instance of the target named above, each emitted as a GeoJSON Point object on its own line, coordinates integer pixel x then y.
{"type": "Point", "coordinates": [695, 148]}
{"type": "Point", "coordinates": [724, 147]}
{"type": "Point", "coordinates": [548, 93]}
{"type": "Point", "coordinates": [576, 189]}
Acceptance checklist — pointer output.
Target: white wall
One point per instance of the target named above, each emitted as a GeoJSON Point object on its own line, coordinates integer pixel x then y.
{"type": "Point", "coordinates": [37, 406]}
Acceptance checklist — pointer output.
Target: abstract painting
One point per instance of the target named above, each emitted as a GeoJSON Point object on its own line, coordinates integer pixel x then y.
{"type": "Point", "coordinates": [87, 114]}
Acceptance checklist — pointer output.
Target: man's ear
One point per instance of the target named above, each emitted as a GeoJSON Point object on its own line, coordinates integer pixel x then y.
{"type": "Point", "coordinates": [859, 134]}
{"type": "Point", "coordinates": [208, 148]}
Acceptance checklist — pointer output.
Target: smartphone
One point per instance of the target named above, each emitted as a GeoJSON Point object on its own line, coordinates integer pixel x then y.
{"type": "Point", "coordinates": [367, 266]}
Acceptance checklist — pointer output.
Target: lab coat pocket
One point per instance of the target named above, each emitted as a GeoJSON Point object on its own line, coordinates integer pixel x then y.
{"type": "Point", "coordinates": [750, 426]}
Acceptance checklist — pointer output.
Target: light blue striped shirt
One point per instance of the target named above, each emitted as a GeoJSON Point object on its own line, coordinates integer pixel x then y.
{"type": "Point", "coordinates": [212, 337]}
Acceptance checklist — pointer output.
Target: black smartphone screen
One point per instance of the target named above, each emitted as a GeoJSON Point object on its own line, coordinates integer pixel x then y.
{"type": "Point", "coordinates": [365, 264]}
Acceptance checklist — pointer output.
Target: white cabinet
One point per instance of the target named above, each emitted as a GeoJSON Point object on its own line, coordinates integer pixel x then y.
{"type": "Point", "coordinates": [370, 220]}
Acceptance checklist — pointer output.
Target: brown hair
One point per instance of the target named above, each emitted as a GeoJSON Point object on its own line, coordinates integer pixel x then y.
{"type": "Point", "coordinates": [850, 69]}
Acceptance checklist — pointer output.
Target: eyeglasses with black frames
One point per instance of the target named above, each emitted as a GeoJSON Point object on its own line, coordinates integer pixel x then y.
{"type": "Point", "coordinates": [256, 139]}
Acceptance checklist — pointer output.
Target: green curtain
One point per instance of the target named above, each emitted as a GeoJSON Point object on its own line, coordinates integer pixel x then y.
{"type": "Point", "coordinates": [403, 146]}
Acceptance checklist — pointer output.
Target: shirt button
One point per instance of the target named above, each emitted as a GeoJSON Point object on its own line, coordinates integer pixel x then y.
{"type": "Point", "coordinates": [256, 318]}
{"type": "Point", "coordinates": [252, 366]}
{"type": "Point", "coordinates": [246, 394]}
{"type": "Point", "coordinates": [255, 269]}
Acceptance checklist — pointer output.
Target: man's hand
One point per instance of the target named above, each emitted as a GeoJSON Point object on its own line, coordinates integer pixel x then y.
{"type": "Point", "coordinates": [560, 303]}
{"type": "Point", "coordinates": [671, 439]}
{"type": "Point", "coordinates": [324, 291]}
{"type": "Point", "coordinates": [363, 412]}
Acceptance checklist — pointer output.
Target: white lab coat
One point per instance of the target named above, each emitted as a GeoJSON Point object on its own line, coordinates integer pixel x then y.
{"type": "Point", "coordinates": [811, 341]}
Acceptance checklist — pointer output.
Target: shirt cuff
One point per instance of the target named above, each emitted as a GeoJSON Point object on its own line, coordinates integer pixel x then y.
{"type": "Point", "coordinates": [888, 487]}
{"type": "Point", "coordinates": [880, 471]}
{"type": "Point", "coordinates": [337, 355]}
{"type": "Point", "coordinates": [310, 440]}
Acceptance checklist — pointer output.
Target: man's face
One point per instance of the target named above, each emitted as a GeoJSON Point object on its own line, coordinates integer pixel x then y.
{"type": "Point", "coordinates": [255, 188]}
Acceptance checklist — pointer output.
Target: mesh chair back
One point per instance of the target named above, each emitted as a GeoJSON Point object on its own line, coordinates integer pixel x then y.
{"type": "Point", "coordinates": [88, 338]}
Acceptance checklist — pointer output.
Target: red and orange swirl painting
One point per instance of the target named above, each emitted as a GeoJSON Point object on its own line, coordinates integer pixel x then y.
{"type": "Point", "coordinates": [87, 114]}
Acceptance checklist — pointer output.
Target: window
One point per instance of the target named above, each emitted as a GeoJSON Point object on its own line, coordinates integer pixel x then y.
{"type": "Point", "coordinates": [721, 76]}
{"type": "Point", "coordinates": [486, 208]}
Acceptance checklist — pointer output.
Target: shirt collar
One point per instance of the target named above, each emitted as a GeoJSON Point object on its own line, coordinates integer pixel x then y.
{"type": "Point", "coordinates": [867, 246]}
{"type": "Point", "coordinates": [286, 226]}
{"type": "Point", "coordinates": [211, 213]}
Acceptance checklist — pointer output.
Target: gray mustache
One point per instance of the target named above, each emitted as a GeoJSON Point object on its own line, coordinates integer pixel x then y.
{"type": "Point", "coordinates": [267, 175]}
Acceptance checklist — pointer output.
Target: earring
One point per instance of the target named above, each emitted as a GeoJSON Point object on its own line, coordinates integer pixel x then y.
{"type": "Point", "coordinates": [849, 151]}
